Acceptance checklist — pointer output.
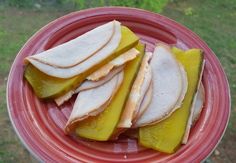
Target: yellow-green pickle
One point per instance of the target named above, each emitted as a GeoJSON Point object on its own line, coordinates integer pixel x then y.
{"type": "Point", "coordinates": [167, 135]}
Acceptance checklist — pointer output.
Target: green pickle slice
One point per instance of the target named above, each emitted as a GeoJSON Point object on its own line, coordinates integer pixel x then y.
{"type": "Point", "coordinates": [166, 136]}
{"type": "Point", "coordinates": [48, 87]}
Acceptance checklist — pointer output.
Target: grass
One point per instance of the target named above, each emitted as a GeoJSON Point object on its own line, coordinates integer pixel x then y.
{"type": "Point", "coordinates": [16, 26]}
{"type": "Point", "coordinates": [212, 20]}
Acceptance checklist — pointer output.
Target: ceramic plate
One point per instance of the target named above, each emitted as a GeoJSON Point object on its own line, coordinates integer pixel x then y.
{"type": "Point", "coordinates": [40, 124]}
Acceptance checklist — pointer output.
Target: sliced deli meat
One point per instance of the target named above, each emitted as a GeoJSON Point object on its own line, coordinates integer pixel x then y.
{"type": "Point", "coordinates": [146, 89]}
{"type": "Point", "coordinates": [167, 86]}
{"type": "Point", "coordinates": [87, 84]}
{"type": "Point", "coordinates": [78, 49]}
{"type": "Point", "coordinates": [184, 87]}
{"type": "Point", "coordinates": [139, 88]}
{"type": "Point", "coordinates": [167, 135]}
{"type": "Point", "coordinates": [135, 106]}
{"type": "Point", "coordinates": [200, 99]}
{"type": "Point", "coordinates": [145, 103]}
{"type": "Point", "coordinates": [76, 69]}
{"type": "Point", "coordinates": [93, 101]}
{"type": "Point", "coordinates": [102, 126]}
{"type": "Point", "coordinates": [196, 107]}
{"type": "Point", "coordinates": [148, 96]}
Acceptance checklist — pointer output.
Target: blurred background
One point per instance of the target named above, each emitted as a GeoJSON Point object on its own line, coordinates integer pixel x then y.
{"type": "Point", "coordinates": [213, 20]}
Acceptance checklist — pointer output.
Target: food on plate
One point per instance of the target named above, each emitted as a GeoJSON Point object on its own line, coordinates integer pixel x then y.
{"type": "Point", "coordinates": [139, 88]}
{"type": "Point", "coordinates": [133, 104]}
{"type": "Point", "coordinates": [167, 135]}
{"type": "Point", "coordinates": [167, 86]}
{"type": "Point", "coordinates": [103, 38]}
{"type": "Point", "coordinates": [47, 86]}
{"type": "Point", "coordinates": [87, 84]}
{"type": "Point", "coordinates": [120, 89]}
{"type": "Point", "coordinates": [145, 102]}
{"type": "Point", "coordinates": [101, 75]}
{"type": "Point", "coordinates": [195, 111]}
{"type": "Point", "coordinates": [198, 105]}
{"type": "Point", "coordinates": [122, 59]}
{"type": "Point", "coordinates": [83, 107]}
{"type": "Point", "coordinates": [101, 127]}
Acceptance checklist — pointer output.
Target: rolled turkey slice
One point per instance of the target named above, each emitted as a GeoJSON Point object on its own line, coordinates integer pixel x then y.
{"type": "Point", "coordinates": [198, 103]}
{"type": "Point", "coordinates": [146, 90]}
{"type": "Point", "coordinates": [87, 84]}
{"type": "Point", "coordinates": [120, 60]}
{"type": "Point", "coordinates": [167, 86]}
{"type": "Point", "coordinates": [145, 103]}
{"type": "Point", "coordinates": [138, 90]}
{"type": "Point", "coordinates": [76, 69]}
{"type": "Point", "coordinates": [180, 99]}
{"type": "Point", "coordinates": [78, 49]}
{"type": "Point", "coordinates": [184, 87]}
{"type": "Point", "coordinates": [93, 101]}
{"type": "Point", "coordinates": [196, 109]}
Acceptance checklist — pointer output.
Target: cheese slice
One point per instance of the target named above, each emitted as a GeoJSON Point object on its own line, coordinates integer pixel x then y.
{"type": "Point", "coordinates": [122, 59]}
{"type": "Point", "coordinates": [135, 108]}
{"type": "Point", "coordinates": [88, 84]}
{"type": "Point", "coordinates": [137, 93]}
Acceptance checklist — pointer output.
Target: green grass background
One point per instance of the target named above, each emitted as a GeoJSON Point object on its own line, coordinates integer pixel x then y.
{"type": "Point", "coordinates": [213, 20]}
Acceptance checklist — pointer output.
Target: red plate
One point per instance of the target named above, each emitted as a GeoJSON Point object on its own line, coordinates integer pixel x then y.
{"type": "Point", "coordinates": [39, 124]}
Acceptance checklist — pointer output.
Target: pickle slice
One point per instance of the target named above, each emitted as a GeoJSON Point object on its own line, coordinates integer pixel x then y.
{"type": "Point", "coordinates": [47, 87]}
{"type": "Point", "coordinates": [101, 127]}
{"type": "Point", "coordinates": [166, 136]}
